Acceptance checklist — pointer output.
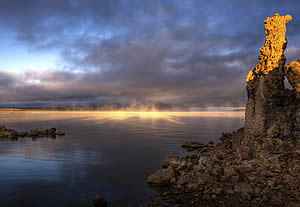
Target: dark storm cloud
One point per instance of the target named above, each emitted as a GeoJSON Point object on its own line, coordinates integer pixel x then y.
{"type": "Point", "coordinates": [194, 52]}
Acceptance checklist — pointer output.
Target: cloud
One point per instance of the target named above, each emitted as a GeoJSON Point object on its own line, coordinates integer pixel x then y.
{"type": "Point", "coordinates": [187, 52]}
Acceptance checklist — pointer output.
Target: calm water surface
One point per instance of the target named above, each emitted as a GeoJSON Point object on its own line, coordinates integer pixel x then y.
{"type": "Point", "coordinates": [109, 154]}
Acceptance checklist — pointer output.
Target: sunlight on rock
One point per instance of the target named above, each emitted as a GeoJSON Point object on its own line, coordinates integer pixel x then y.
{"type": "Point", "coordinates": [293, 74]}
{"type": "Point", "coordinates": [272, 53]}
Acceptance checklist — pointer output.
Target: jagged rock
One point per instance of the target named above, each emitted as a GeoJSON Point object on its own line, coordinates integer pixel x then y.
{"type": "Point", "coordinates": [258, 165]}
{"type": "Point", "coordinates": [191, 146]}
{"type": "Point", "coordinates": [237, 138]}
{"type": "Point", "coordinates": [197, 146]}
{"type": "Point", "coordinates": [161, 177]}
{"type": "Point", "coordinates": [293, 74]}
{"type": "Point", "coordinates": [175, 162]}
{"type": "Point", "coordinates": [272, 53]}
{"type": "Point", "coordinates": [243, 188]}
{"type": "Point", "coordinates": [50, 131]}
{"type": "Point", "coordinates": [269, 103]}
{"type": "Point", "coordinates": [10, 134]}
{"type": "Point", "coordinates": [2, 128]}
{"type": "Point", "coordinates": [229, 172]}
{"type": "Point", "coordinates": [60, 133]}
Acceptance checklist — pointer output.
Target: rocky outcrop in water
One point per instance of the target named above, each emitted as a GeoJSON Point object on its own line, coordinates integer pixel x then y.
{"type": "Point", "coordinates": [10, 134]}
{"type": "Point", "coordinates": [258, 165]}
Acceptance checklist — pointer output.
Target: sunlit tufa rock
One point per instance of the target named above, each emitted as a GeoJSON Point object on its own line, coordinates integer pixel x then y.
{"type": "Point", "coordinates": [272, 53]}
{"type": "Point", "coordinates": [259, 164]}
{"type": "Point", "coordinates": [293, 74]}
{"type": "Point", "coordinates": [269, 104]}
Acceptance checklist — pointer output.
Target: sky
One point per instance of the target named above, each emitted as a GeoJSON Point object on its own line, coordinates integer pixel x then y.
{"type": "Point", "coordinates": [164, 53]}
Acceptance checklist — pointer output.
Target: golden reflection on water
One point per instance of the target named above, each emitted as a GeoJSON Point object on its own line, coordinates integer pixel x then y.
{"type": "Point", "coordinates": [167, 116]}
{"type": "Point", "coordinates": [123, 115]}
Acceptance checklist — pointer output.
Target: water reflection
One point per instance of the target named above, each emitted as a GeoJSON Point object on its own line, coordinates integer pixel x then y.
{"type": "Point", "coordinates": [168, 116]}
{"type": "Point", "coordinates": [109, 153]}
{"type": "Point", "coordinates": [116, 115]}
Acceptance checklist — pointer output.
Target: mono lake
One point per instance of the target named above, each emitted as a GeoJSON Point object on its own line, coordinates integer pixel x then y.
{"type": "Point", "coordinates": [105, 153]}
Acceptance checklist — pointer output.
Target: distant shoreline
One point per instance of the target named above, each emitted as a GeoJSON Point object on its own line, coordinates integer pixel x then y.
{"type": "Point", "coordinates": [240, 109]}
{"type": "Point", "coordinates": [10, 109]}
{"type": "Point", "coordinates": [236, 113]}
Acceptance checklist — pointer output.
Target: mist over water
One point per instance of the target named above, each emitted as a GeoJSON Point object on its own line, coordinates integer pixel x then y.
{"type": "Point", "coordinates": [105, 153]}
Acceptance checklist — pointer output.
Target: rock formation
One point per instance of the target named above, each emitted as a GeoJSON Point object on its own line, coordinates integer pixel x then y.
{"type": "Point", "coordinates": [293, 74]}
{"type": "Point", "coordinates": [13, 135]}
{"type": "Point", "coordinates": [272, 53]}
{"type": "Point", "coordinates": [258, 165]}
{"type": "Point", "coordinates": [271, 108]}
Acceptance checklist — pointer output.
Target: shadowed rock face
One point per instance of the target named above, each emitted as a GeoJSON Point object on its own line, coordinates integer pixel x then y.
{"type": "Point", "coordinates": [271, 108]}
{"type": "Point", "coordinates": [293, 74]}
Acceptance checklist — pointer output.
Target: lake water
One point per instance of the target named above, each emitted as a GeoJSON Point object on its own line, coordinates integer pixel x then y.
{"type": "Point", "coordinates": [109, 154]}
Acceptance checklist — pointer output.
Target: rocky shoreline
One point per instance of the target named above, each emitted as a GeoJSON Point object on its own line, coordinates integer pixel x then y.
{"type": "Point", "coordinates": [220, 176]}
{"type": "Point", "coordinates": [13, 135]}
{"type": "Point", "coordinates": [258, 165]}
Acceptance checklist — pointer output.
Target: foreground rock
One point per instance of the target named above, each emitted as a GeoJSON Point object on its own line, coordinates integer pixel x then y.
{"type": "Point", "coordinates": [10, 134]}
{"type": "Point", "coordinates": [197, 146]}
{"type": "Point", "coordinates": [258, 165]}
{"type": "Point", "coordinates": [220, 175]}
